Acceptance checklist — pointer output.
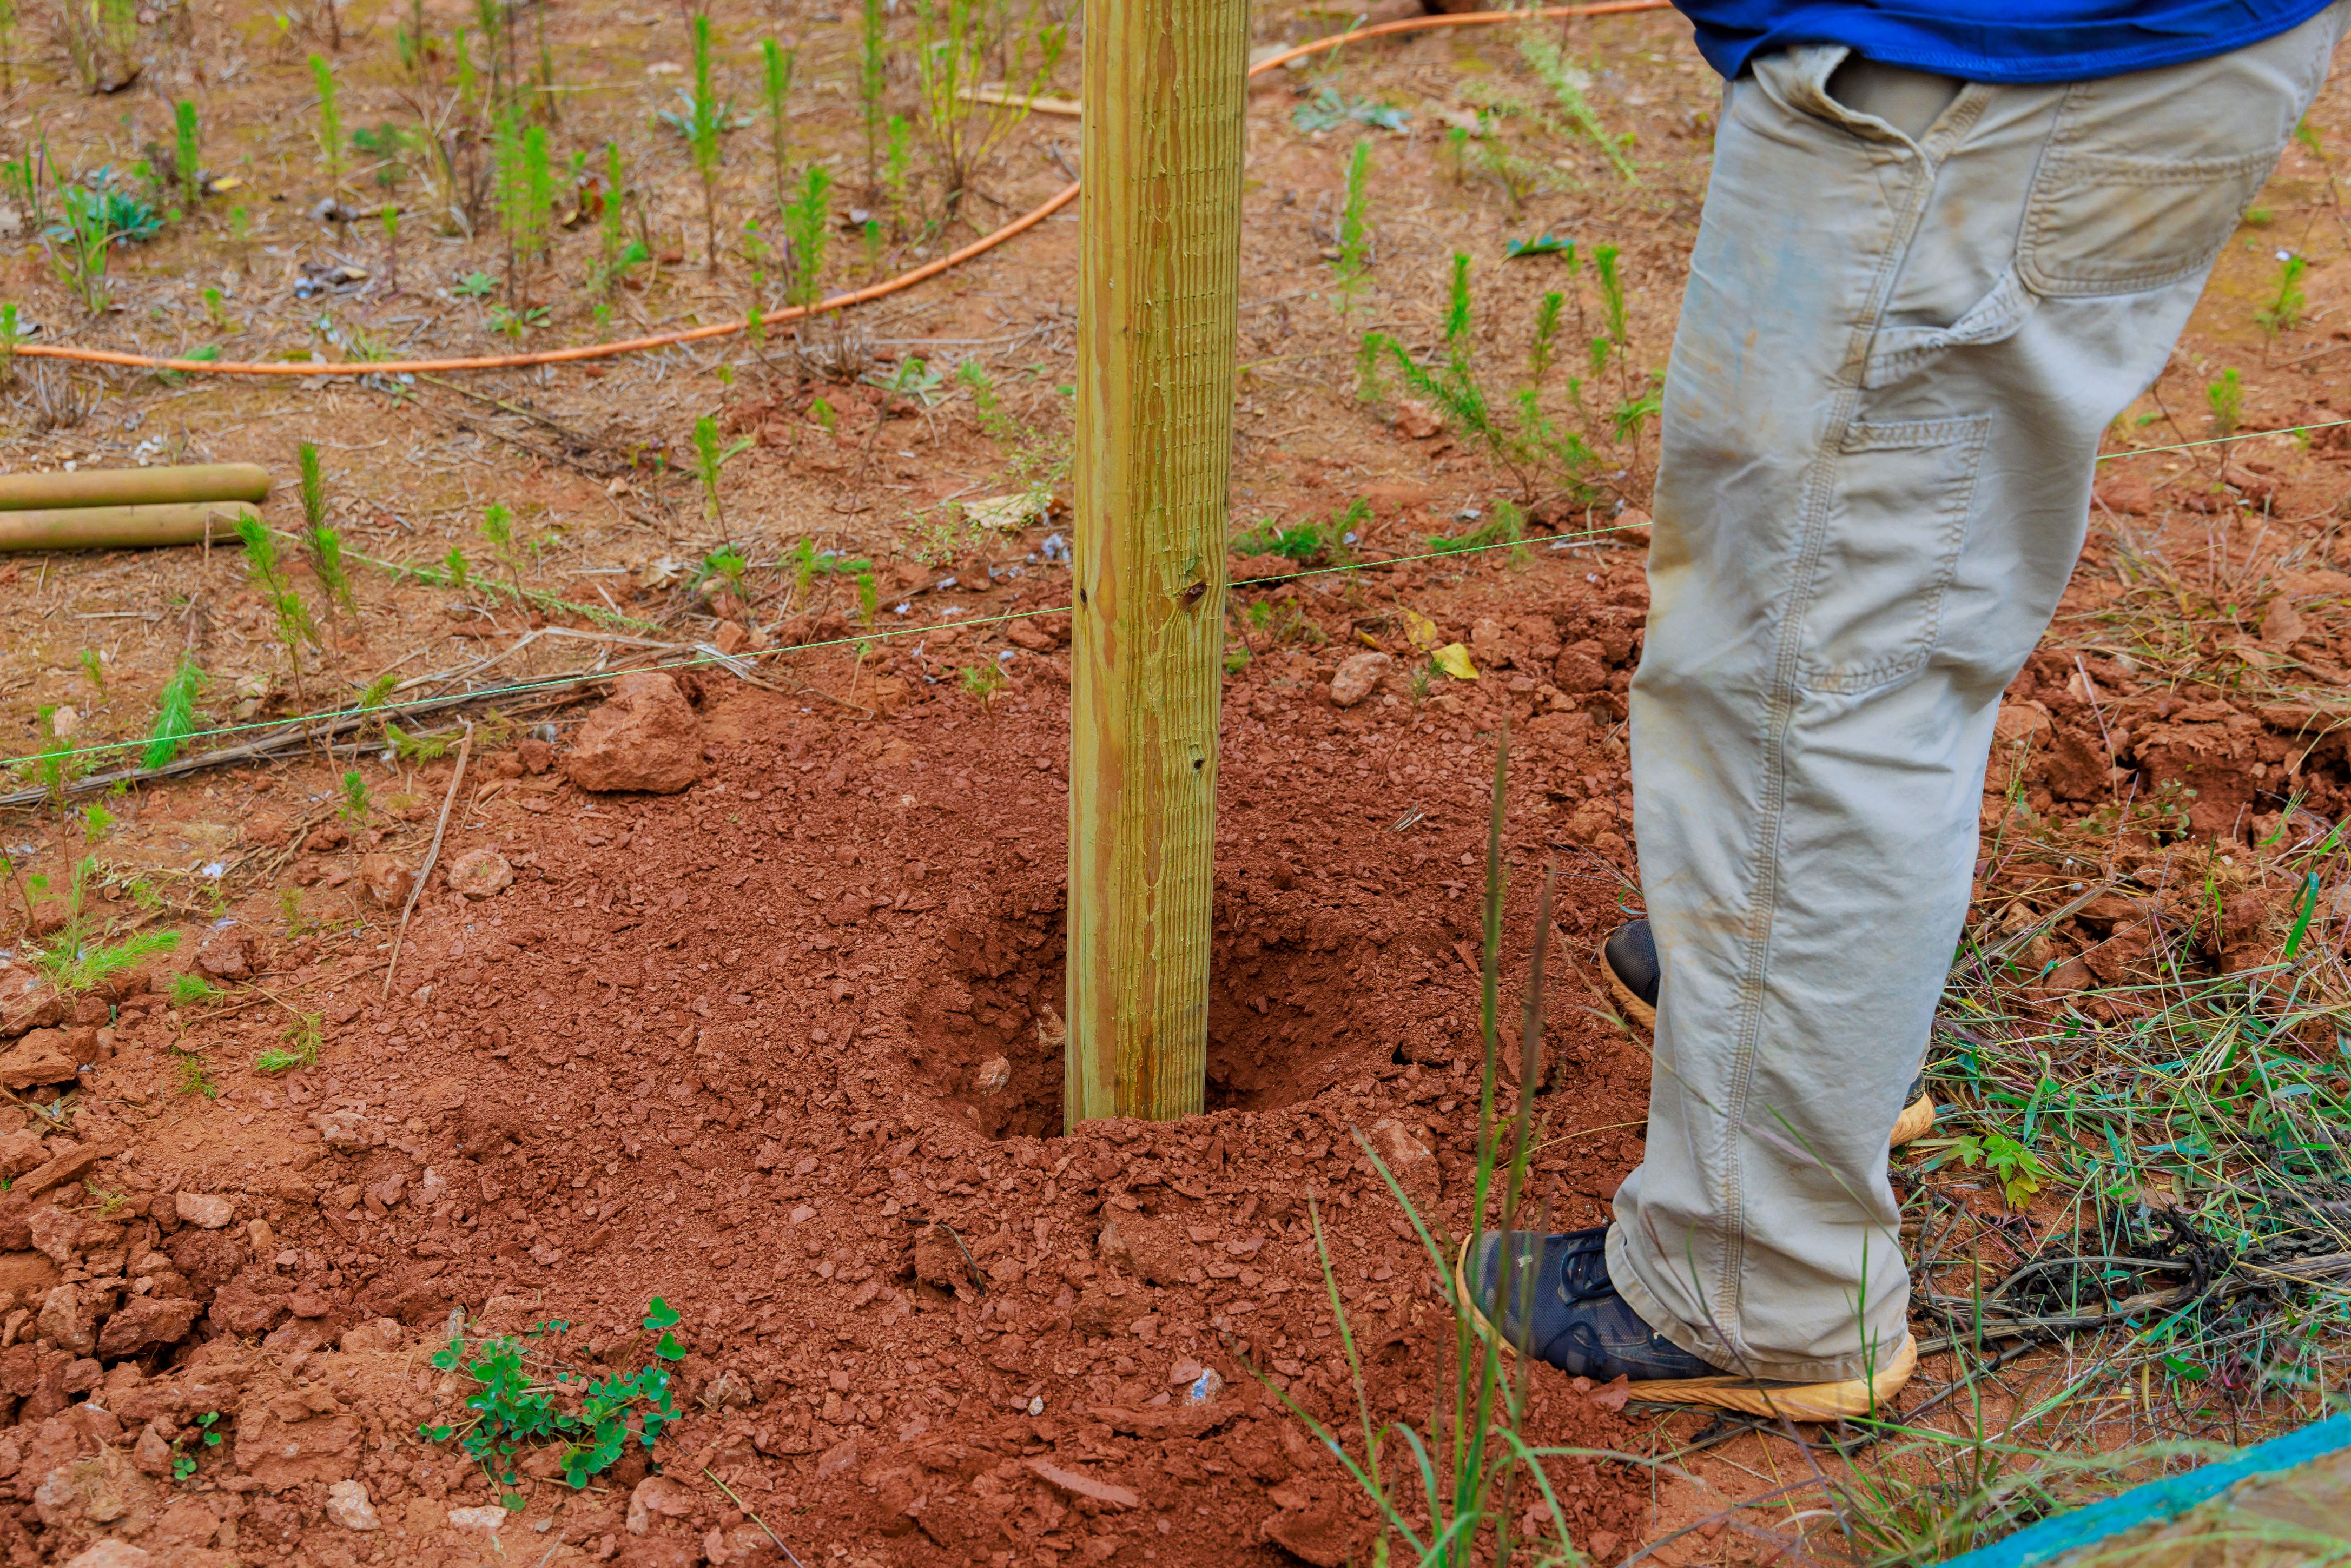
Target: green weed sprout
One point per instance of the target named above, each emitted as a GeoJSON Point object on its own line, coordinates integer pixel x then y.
{"type": "Point", "coordinates": [2283, 312]}
{"type": "Point", "coordinates": [322, 542]}
{"type": "Point", "coordinates": [215, 310]}
{"type": "Point", "coordinates": [981, 681]}
{"type": "Point", "coordinates": [11, 334]}
{"type": "Point", "coordinates": [723, 565]}
{"type": "Point", "coordinates": [175, 715]}
{"type": "Point", "coordinates": [709, 457]}
{"type": "Point", "coordinates": [78, 246]}
{"type": "Point", "coordinates": [355, 797]}
{"type": "Point", "coordinates": [807, 225]}
{"type": "Point", "coordinates": [776, 64]}
{"type": "Point", "coordinates": [330, 121]}
{"type": "Point", "coordinates": [187, 154]}
{"type": "Point", "coordinates": [512, 1410]}
{"type": "Point", "coordinates": [303, 1040]}
{"type": "Point", "coordinates": [2225, 396]}
{"type": "Point", "coordinates": [295, 626]}
{"type": "Point", "coordinates": [821, 412]}
{"type": "Point", "coordinates": [192, 990]}
{"type": "Point", "coordinates": [1347, 268]}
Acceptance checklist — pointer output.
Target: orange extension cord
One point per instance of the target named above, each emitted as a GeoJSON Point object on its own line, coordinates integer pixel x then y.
{"type": "Point", "coordinates": [928, 270]}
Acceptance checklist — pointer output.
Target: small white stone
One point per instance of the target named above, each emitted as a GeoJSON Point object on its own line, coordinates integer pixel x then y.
{"type": "Point", "coordinates": [487, 1518]}
{"type": "Point", "coordinates": [208, 1210]}
{"type": "Point", "coordinates": [348, 1505]}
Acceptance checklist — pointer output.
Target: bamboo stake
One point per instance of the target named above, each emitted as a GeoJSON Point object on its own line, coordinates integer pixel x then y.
{"type": "Point", "coordinates": [135, 486]}
{"type": "Point", "coordinates": [119, 528]}
{"type": "Point", "coordinates": [1159, 259]}
{"type": "Point", "coordinates": [432, 857]}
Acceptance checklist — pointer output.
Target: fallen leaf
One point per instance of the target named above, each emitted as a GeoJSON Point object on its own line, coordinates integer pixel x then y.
{"type": "Point", "coordinates": [1420, 631]}
{"type": "Point", "coordinates": [1453, 659]}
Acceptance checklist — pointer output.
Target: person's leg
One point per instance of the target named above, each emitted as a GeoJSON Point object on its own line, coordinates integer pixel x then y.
{"type": "Point", "coordinates": [1894, 358]}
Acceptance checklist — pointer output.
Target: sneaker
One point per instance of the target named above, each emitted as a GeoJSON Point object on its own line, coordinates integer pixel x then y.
{"type": "Point", "coordinates": [1629, 959]}
{"type": "Point", "coordinates": [1577, 1323]}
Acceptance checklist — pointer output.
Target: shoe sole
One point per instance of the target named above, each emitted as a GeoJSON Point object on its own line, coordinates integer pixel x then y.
{"type": "Point", "coordinates": [1918, 1117]}
{"type": "Point", "coordinates": [1839, 1401]}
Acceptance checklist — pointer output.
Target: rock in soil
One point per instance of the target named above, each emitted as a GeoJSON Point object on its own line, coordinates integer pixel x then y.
{"type": "Point", "coordinates": [1358, 678]}
{"type": "Point", "coordinates": [480, 873]}
{"type": "Point", "coordinates": [645, 738]}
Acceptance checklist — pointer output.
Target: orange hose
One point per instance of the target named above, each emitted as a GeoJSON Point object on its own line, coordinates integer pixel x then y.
{"type": "Point", "coordinates": [930, 269]}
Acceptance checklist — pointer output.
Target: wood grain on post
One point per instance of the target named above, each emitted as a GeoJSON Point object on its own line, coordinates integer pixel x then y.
{"type": "Point", "coordinates": [118, 527]}
{"type": "Point", "coordinates": [1159, 278]}
{"type": "Point", "coordinates": [135, 486]}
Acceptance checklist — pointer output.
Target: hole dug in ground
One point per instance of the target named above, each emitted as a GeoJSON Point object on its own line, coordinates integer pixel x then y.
{"type": "Point", "coordinates": [1294, 1007]}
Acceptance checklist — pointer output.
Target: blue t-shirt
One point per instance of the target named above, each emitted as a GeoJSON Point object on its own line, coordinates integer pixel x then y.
{"type": "Point", "coordinates": [1996, 40]}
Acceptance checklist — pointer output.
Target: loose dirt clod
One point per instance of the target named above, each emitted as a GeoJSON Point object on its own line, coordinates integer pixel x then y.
{"type": "Point", "coordinates": [645, 737]}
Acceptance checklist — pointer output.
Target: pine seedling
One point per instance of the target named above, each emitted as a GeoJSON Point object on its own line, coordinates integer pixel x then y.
{"type": "Point", "coordinates": [11, 334]}
{"type": "Point", "coordinates": [93, 669]}
{"type": "Point", "coordinates": [872, 79]}
{"type": "Point", "coordinates": [709, 457]}
{"type": "Point", "coordinates": [176, 715]}
{"type": "Point", "coordinates": [702, 137]}
{"type": "Point", "coordinates": [330, 121]}
{"type": "Point", "coordinates": [620, 253]}
{"type": "Point", "coordinates": [776, 64]}
{"type": "Point", "coordinates": [897, 163]}
{"type": "Point", "coordinates": [512, 189]}
{"type": "Point", "coordinates": [461, 49]}
{"type": "Point", "coordinates": [390, 220]}
{"type": "Point", "coordinates": [7, 46]}
{"type": "Point", "coordinates": [1543, 345]}
{"type": "Point", "coordinates": [1355, 235]}
{"type": "Point", "coordinates": [303, 1040]}
{"type": "Point", "coordinates": [497, 527]}
{"type": "Point", "coordinates": [320, 540]}
{"type": "Point", "coordinates": [807, 224]}
{"type": "Point", "coordinates": [295, 626]}
{"type": "Point", "coordinates": [355, 797]}
{"type": "Point", "coordinates": [2226, 397]}
{"type": "Point", "coordinates": [2283, 312]}
{"type": "Point", "coordinates": [539, 193]}
{"type": "Point", "coordinates": [409, 38]}
{"type": "Point", "coordinates": [457, 570]}
{"type": "Point", "coordinates": [187, 154]}
{"type": "Point", "coordinates": [190, 990]}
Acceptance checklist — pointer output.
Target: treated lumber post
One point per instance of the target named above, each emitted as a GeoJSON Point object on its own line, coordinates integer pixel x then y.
{"type": "Point", "coordinates": [1159, 278]}
{"type": "Point", "coordinates": [135, 486]}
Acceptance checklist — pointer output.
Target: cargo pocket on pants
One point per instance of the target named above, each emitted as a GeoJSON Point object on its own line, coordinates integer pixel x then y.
{"type": "Point", "coordinates": [1895, 520]}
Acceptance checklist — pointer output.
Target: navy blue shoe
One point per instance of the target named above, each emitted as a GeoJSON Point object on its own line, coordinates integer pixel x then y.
{"type": "Point", "coordinates": [1567, 1313]}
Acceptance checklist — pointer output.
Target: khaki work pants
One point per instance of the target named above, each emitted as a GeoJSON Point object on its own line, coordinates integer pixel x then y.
{"type": "Point", "coordinates": [1912, 306]}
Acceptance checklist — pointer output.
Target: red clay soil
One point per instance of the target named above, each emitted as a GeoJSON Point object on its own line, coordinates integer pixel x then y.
{"type": "Point", "coordinates": [738, 1046]}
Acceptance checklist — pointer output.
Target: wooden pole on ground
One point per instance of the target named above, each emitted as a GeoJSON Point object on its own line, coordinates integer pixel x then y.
{"type": "Point", "coordinates": [1159, 278]}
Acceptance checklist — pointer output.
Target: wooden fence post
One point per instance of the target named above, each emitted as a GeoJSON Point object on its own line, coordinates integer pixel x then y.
{"type": "Point", "coordinates": [1159, 278]}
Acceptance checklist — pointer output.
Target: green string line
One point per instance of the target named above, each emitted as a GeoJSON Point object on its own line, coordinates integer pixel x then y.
{"type": "Point", "coordinates": [525, 688]}
{"type": "Point", "coordinates": [557, 682]}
